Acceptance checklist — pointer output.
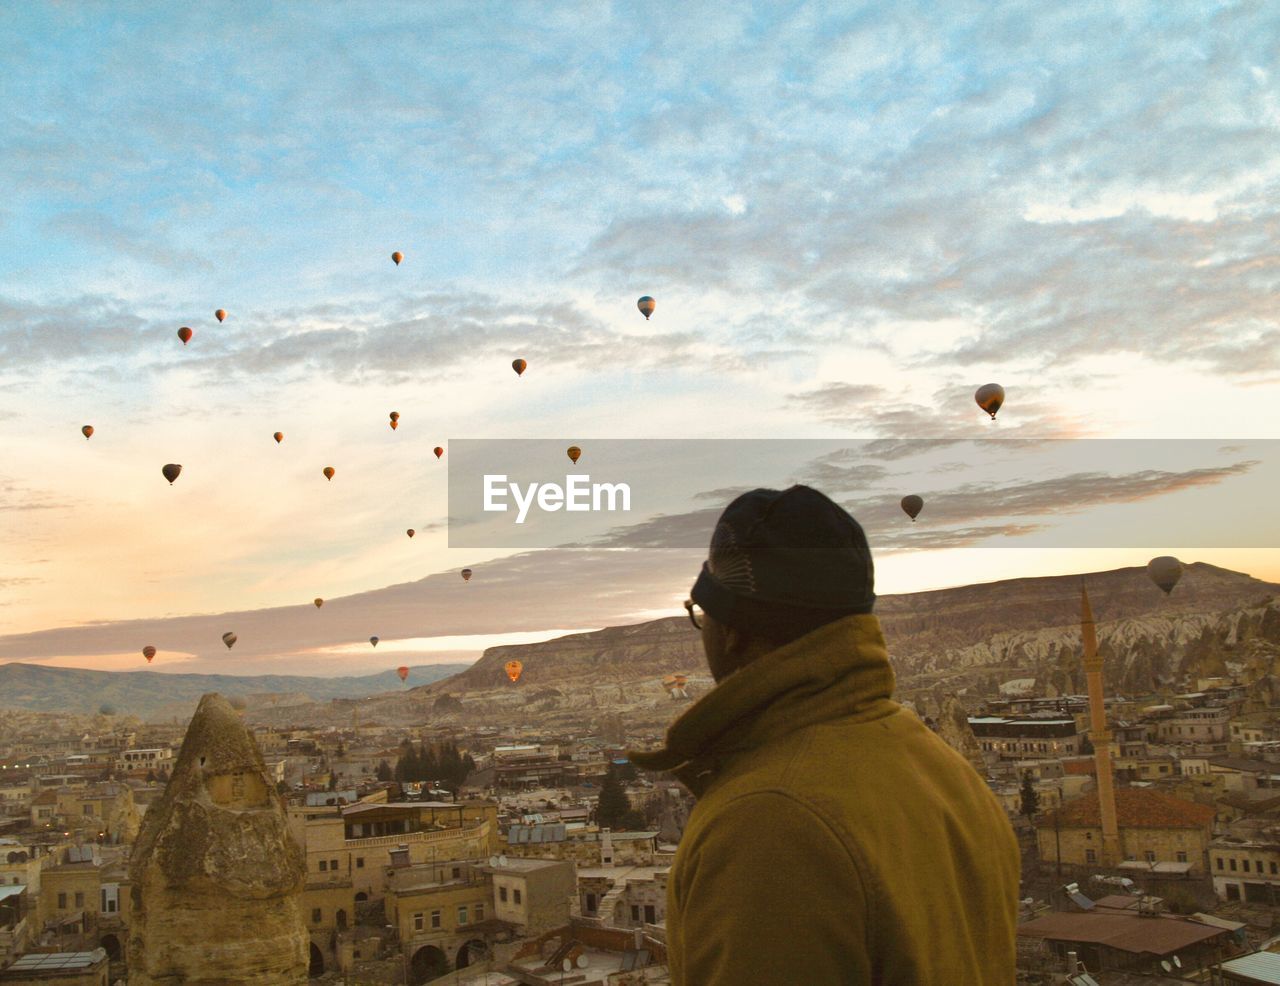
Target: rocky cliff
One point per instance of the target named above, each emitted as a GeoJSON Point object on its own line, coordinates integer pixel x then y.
{"type": "Point", "coordinates": [216, 879]}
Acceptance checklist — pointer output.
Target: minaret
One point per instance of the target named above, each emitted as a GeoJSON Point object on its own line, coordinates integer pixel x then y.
{"type": "Point", "coordinates": [1100, 736]}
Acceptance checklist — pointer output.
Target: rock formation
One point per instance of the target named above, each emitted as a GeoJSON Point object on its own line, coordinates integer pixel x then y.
{"type": "Point", "coordinates": [217, 880]}
{"type": "Point", "coordinates": [953, 726]}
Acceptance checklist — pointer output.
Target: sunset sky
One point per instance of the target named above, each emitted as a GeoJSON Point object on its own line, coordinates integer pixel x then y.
{"type": "Point", "coordinates": [850, 218]}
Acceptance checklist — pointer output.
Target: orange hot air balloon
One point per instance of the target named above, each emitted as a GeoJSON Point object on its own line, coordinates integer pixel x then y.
{"type": "Point", "coordinates": [148, 652]}
{"type": "Point", "coordinates": [513, 669]}
{"type": "Point", "coordinates": [466, 575]}
{"type": "Point", "coordinates": [438, 451]}
{"type": "Point", "coordinates": [519, 366]}
{"type": "Point", "coordinates": [403, 672]}
{"type": "Point", "coordinates": [912, 505]}
{"type": "Point", "coordinates": [87, 431]}
{"type": "Point", "coordinates": [279, 437]}
{"type": "Point", "coordinates": [171, 472]}
{"type": "Point", "coordinates": [574, 453]}
{"type": "Point", "coordinates": [319, 602]}
{"type": "Point", "coordinates": [990, 398]}
{"type": "Point", "coordinates": [646, 306]}
{"type": "Point", "coordinates": [410, 532]}
{"type": "Point", "coordinates": [229, 639]}
{"type": "Point", "coordinates": [374, 641]}
{"type": "Point", "coordinates": [395, 420]}
{"type": "Point", "coordinates": [185, 334]}
{"type": "Point", "coordinates": [328, 473]}
{"type": "Point", "coordinates": [220, 314]}
{"type": "Point", "coordinates": [397, 257]}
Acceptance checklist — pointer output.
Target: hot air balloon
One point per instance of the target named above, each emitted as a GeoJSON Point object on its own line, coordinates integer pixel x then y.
{"type": "Point", "coordinates": [328, 473]}
{"type": "Point", "coordinates": [374, 641]}
{"type": "Point", "coordinates": [318, 601]}
{"type": "Point", "coordinates": [466, 575]}
{"type": "Point", "coordinates": [1164, 571]}
{"type": "Point", "coordinates": [574, 453]}
{"type": "Point", "coordinates": [395, 420]}
{"type": "Point", "coordinates": [220, 314]}
{"type": "Point", "coordinates": [279, 437]}
{"type": "Point", "coordinates": [438, 451]}
{"type": "Point", "coordinates": [990, 397]}
{"type": "Point", "coordinates": [171, 472]}
{"type": "Point", "coordinates": [519, 366]}
{"type": "Point", "coordinates": [106, 710]}
{"type": "Point", "coordinates": [148, 652]}
{"type": "Point", "coordinates": [397, 257]}
{"type": "Point", "coordinates": [403, 672]}
{"type": "Point", "coordinates": [185, 335]}
{"type": "Point", "coordinates": [411, 532]}
{"type": "Point", "coordinates": [229, 639]}
{"type": "Point", "coordinates": [513, 669]}
{"type": "Point", "coordinates": [646, 306]}
{"type": "Point", "coordinates": [912, 505]}
{"type": "Point", "coordinates": [87, 431]}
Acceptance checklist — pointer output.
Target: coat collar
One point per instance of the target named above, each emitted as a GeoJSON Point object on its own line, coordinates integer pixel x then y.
{"type": "Point", "coordinates": [840, 669]}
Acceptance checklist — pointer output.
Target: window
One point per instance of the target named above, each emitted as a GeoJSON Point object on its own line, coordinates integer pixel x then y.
{"type": "Point", "coordinates": [418, 923]}
{"type": "Point", "coordinates": [502, 894]}
{"type": "Point", "coordinates": [479, 912]}
{"type": "Point", "coordinates": [62, 902]}
{"type": "Point", "coordinates": [1273, 868]}
{"type": "Point", "coordinates": [457, 873]}
{"type": "Point", "coordinates": [462, 914]}
{"type": "Point", "coordinates": [1232, 862]}
{"type": "Point", "coordinates": [635, 912]}
{"type": "Point", "coordinates": [359, 862]}
{"type": "Point", "coordinates": [1182, 856]}
{"type": "Point", "coordinates": [79, 899]}
{"type": "Point", "coordinates": [1090, 856]}
{"type": "Point", "coordinates": [650, 914]}
{"type": "Point", "coordinates": [1151, 856]}
{"type": "Point", "coordinates": [1219, 861]}
{"type": "Point", "coordinates": [435, 919]}
{"type": "Point", "coordinates": [88, 809]}
{"type": "Point", "coordinates": [333, 865]}
{"type": "Point", "coordinates": [1244, 865]}
{"type": "Point", "coordinates": [515, 895]}
{"type": "Point", "coordinates": [324, 866]}
{"type": "Point", "coordinates": [315, 916]}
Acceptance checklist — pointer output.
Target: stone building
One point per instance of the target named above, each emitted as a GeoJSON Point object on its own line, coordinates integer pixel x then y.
{"type": "Point", "coordinates": [58, 969]}
{"type": "Point", "coordinates": [443, 913]}
{"type": "Point", "coordinates": [217, 880]}
{"type": "Point", "coordinates": [1153, 828]}
{"type": "Point", "coordinates": [532, 894]}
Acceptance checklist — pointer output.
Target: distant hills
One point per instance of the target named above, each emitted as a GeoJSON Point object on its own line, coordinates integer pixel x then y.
{"type": "Point", "coordinates": [153, 695]}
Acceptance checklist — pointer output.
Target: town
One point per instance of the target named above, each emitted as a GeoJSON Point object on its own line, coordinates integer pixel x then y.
{"type": "Point", "coordinates": [462, 852]}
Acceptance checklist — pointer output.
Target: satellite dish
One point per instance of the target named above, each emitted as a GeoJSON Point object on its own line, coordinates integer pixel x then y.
{"type": "Point", "coordinates": [502, 860]}
{"type": "Point", "coordinates": [1177, 961]}
{"type": "Point", "coordinates": [567, 965]}
{"type": "Point", "coordinates": [582, 961]}
{"type": "Point", "coordinates": [493, 860]}
{"type": "Point", "coordinates": [1164, 964]}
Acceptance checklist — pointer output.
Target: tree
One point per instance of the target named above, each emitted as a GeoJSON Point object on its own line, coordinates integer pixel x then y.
{"type": "Point", "coordinates": [1030, 797]}
{"type": "Point", "coordinates": [1086, 745]}
{"type": "Point", "coordinates": [384, 772]}
{"type": "Point", "coordinates": [612, 805]}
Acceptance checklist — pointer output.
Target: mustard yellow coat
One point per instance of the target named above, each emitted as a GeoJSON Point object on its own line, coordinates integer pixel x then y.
{"type": "Point", "coordinates": [836, 839]}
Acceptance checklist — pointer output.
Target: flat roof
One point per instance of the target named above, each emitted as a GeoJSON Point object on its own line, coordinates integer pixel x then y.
{"type": "Point", "coordinates": [12, 890]}
{"type": "Point", "coordinates": [1260, 967]}
{"type": "Point", "coordinates": [52, 961]}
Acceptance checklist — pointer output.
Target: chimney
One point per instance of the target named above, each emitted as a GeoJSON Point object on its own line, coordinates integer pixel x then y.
{"type": "Point", "coordinates": [1073, 965]}
{"type": "Point", "coordinates": [606, 848]}
{"type": "Point", "coordinates": [1099, 735]}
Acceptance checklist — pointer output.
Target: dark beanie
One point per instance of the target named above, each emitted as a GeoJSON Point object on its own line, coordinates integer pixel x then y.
{"type": "Point", "coordinates": [785, 563]}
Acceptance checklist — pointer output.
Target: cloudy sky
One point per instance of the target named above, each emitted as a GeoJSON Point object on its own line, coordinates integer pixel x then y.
{"type": "Point", "coordinates": [851, 215]}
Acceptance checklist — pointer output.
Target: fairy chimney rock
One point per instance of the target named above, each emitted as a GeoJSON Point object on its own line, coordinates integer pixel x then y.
{"type": "Point", "coordinates": [216, 878]}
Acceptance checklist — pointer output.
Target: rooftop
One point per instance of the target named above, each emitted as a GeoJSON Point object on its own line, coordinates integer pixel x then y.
{"type": "Point", "coordinates": [1135, 808]}
{"type": "Point", "coordinates": [1158, 936]}
{"type": "Point", "coordinates": [57, 961]}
